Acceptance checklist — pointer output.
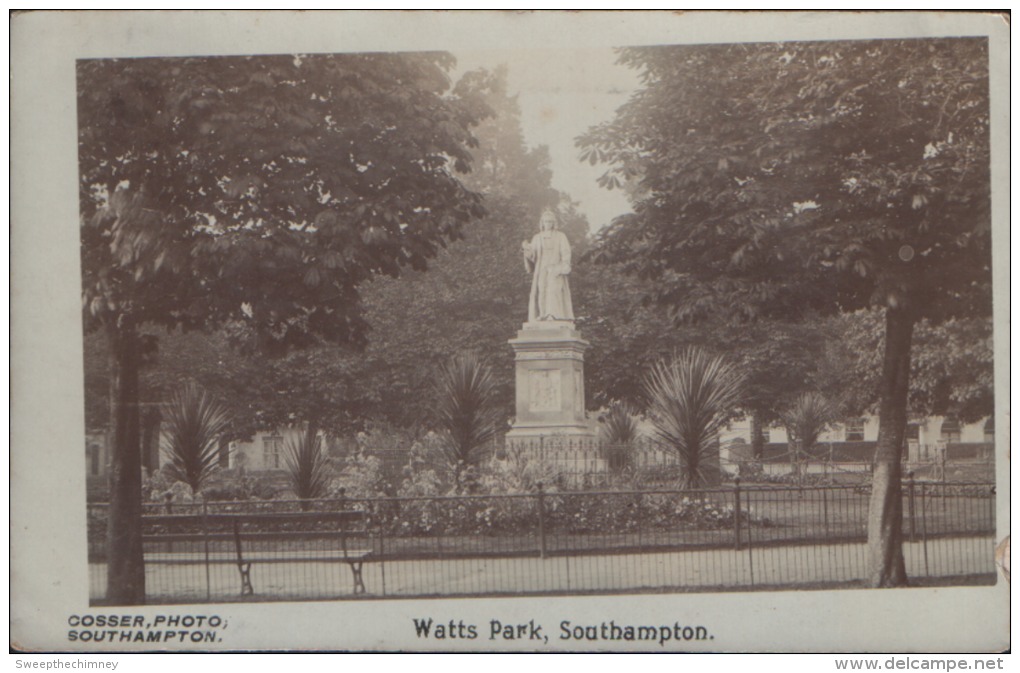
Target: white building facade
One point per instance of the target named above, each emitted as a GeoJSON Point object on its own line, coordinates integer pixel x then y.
{"type": "Point", "coordinates": [924, 438]}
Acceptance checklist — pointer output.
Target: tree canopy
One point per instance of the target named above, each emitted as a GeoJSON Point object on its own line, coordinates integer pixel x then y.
{"type": "Point", "coordinates": [266, 189]}
{"type": "Point", "coordinates": [778, 177]}
{"type": "Point", "coordinates": [951, 366]}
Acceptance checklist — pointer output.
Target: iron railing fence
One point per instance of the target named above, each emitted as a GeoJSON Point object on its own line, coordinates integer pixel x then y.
{"type": "Point", "coordinates": [586, 463]}
{"type": "Point", "coordinates": [547, 541]}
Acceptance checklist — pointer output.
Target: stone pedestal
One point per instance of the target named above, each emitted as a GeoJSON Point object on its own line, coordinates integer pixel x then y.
{"type": "Point", "coordinates": [550, 383]}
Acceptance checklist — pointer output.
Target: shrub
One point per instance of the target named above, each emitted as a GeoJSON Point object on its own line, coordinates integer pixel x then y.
{"type": "Point", "coordinates": [240, 488]}
{"type": "Point", "coordinates": [421, 478]}
{"type": "Point", "coordinates": [157, 484]}
{"type": "Point", "coordinates": [361, 477]}
{"type": "Point", "coordinates": [751, 470]}
{"type": "Point", "coordinates": [518, 472]}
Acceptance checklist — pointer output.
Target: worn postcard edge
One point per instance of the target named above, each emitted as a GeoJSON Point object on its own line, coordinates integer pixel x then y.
{"type": "Point", "coordinates": [48, 576]}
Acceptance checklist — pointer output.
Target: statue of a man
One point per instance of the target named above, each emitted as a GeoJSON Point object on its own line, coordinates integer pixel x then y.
{"type": "Point", "coordinates": [547, 257]}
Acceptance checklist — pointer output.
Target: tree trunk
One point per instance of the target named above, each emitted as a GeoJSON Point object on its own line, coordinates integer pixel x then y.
{"type": "Point", "coordinates": [885, 511]}
{"type": "Point", "coordinates": [692, 464]}
{"type": "Point", "coordinates": [151, 420]}
{"type": "Point", "coordinates": [125, 566]}
{"type": "Point", "coordinates": [311, 432]}
{"type": "Point", "coordinates": [224, 453]}
{"type": "Point", "coordinates": [757, 439]}
{"type": "Point", "coordinates": [792, 448]}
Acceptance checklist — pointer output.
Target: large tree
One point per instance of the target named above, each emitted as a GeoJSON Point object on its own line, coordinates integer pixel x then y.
{"type": "Point", "coordinates": [775, 178]}
{"type": "Point", "coordinates": [259, 191]}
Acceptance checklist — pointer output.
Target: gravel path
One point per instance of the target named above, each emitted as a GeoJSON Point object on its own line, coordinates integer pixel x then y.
{"type": "Point", "coordinates": [686, 570]}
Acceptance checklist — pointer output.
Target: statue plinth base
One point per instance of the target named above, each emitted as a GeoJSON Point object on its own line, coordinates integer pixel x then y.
{"type": "Point", "coordinates": [549, 356]}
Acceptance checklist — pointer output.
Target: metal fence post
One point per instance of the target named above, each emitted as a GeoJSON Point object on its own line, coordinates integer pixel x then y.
{"type": "Point", "coordinates": [541, 520]}
{"type": "Point", "coordinates": [639, 517]}
{"type": "Point", "coordinates": [910, 504]}
{"type": "Point", "coordinates": [375, 523]}
{"type": "Point", "coordinates": [825, 511]}
{"type": "Point", "coordinates": [924, 532]}
{"type": "Point", "coordinates": [205, 542]}
{"type": "Point", "coordinates": [750, 541]}
{"type": "Point", "coordinates": [736, 513]}
{"type": "Point", "coordinates": [169, 498]}
{"type": "Point", "coordinates": [991, 508]}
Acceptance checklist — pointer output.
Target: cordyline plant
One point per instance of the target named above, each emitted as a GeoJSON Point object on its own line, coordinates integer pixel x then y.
{"type": "Point", "coordinates": [805, 420]}
{"type": "Point", "coordinates": [618, 432]}
{"type": "Point", "coordinates": [308, 468]}
{"type": "Point", "coordinates": [194, 421]}
{"type": "Point", "coordinates": [465, 410]}
{"type": "Point", "coordinates": [691, 397]}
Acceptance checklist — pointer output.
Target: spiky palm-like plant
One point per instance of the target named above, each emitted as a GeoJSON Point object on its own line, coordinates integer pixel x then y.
{"type": "Point", "coordinates": [805, 420]}
{"type": "Point", "coordinates": [691, 397]}
{"type": "Point", "coordinates": [618, 432]}
{"type": "Point", "coordinates": [308, 468]}
{"type": "Point", "coordinates": [193, 421]}
{"type": "Point", "coordinates": [464, 410]}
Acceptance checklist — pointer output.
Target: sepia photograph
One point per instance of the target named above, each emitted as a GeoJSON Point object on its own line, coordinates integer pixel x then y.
{"type": "Point", "coordinates": [619, 341]}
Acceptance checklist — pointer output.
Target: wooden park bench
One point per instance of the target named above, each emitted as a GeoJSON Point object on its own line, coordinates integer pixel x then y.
{"type": "Point", "coordinates": [256, 538]}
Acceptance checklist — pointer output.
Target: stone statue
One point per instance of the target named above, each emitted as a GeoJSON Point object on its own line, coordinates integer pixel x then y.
{"type": "Point", "coordinates": [547, 257]}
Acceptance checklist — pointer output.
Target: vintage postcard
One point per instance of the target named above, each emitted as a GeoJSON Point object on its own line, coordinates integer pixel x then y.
{"type": "Point", "coordinates": [484, 331]}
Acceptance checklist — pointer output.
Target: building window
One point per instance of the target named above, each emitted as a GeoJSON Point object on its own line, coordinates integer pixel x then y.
{"type": "Point", "coordinates": [766, 436]}
{"type": "Point", "coordinates": [990, 430]}
{"type": "Point", "coordinates": [855, 430]}
{"type": "Point", "coordinates": [951, 430]}
{"type": "Point", "coordinates": [272, 450]}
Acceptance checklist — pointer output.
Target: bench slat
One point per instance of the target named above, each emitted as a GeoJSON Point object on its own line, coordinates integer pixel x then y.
{"type": "Point", "coordinates": [197, 558]}
{"type": "Point", "coordinates": [254, 537]}
{"type": "Point", "coordinates": [269, 518]}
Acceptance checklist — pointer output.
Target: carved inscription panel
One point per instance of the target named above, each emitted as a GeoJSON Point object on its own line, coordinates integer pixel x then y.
{"type": "Point", "coordinates": [544, 389]}
{"type": "Point", "coordinates": [550, 355]}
